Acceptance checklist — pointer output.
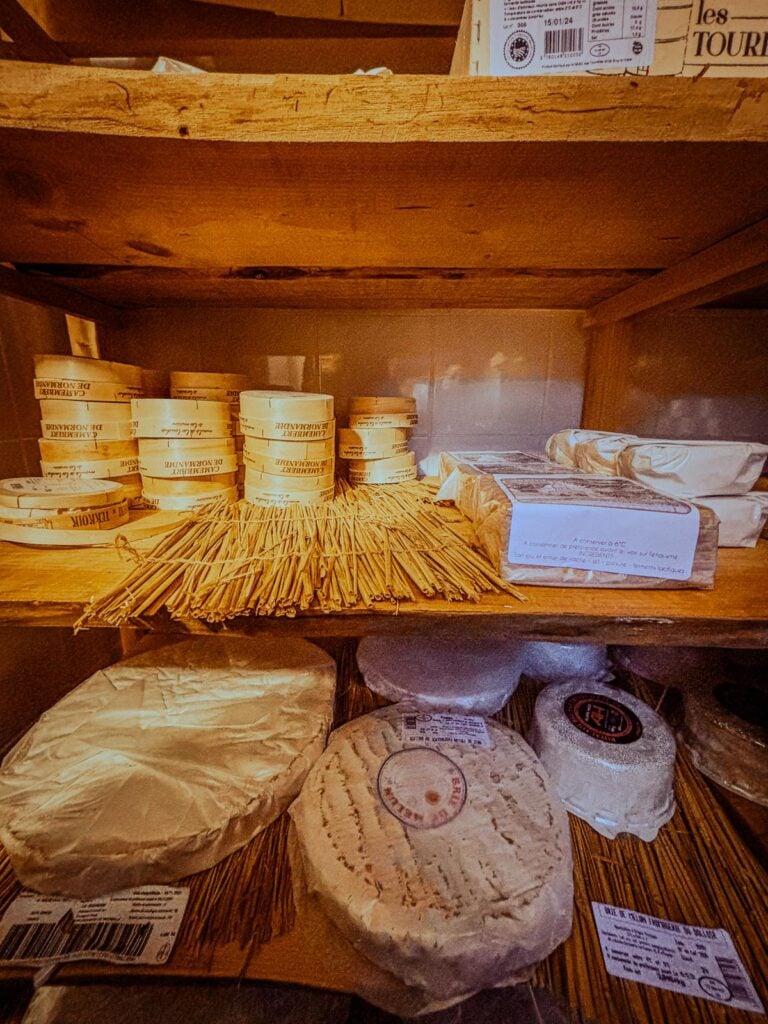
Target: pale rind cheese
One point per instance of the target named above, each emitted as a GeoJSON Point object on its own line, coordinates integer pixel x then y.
{"type": "Point", "coordinates": [610, 757]}
{"type": "Point", "coordinates": [693, 468]}
{"type": "Point", "coordinates": [293, 406]}
{"type": "Point", "coordinates": [83, 368]}
{"type": "Point", "coordinates": [448, 866]}
{"type": "Point", "coordinates": [174, 759]}
{"type": "Point", "coordinates": [473, 676]}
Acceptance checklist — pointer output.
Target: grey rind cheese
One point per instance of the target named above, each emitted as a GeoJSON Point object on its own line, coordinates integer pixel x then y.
{"type": "Point", "coordinates": [161, 765]}
{"type": "Point", "coordinates": [447, 865]}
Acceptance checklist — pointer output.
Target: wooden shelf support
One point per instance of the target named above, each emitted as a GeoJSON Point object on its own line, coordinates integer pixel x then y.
{"type": "Point", "coordinates": [30, 41]}
{"type": "Point", "coordinates": [46, 293]}
{"type": "Point", "coordinates": [608, 357]}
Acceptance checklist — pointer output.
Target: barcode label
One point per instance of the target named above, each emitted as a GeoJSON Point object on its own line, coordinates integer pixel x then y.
{"type": "Point", "coordinates": [50, 941]}
{"type": "Point", "coordinates": [684, 958]}
{"type": "Point", "coordinates": [564, 41]}
{"type": "Point", "coordinates": [137, 926]}
{"type": "Point", "coordinates": [435, 728]}
{"type": "Point", "coordinates": [734, 978]}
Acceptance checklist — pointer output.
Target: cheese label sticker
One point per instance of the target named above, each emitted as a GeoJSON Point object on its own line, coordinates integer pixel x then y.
{"type": "Point", "coordinates": [603, 718]}
{"type": "Point", "coordinates": [681, 958]}
{"type": "Point", "coordinates": [435, 728]}
{"type": "Point", "coordinates": [135, 926]}
{"type": "Point", "coordinates": [421, 787]}
{"type": "Point", "coordinates": [540, 37]}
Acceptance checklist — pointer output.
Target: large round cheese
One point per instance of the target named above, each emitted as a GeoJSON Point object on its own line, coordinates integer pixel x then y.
{"type": "Point", "coordinates": [610, 757]}
{"type": "Point", "coordinates": [448, 865]}
{"type": "Point", "coordinates": [165, 763]}
{"type": "Point", "coordinates": [475, 676]}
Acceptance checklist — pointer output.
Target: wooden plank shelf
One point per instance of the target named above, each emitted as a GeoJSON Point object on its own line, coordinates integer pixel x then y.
{"type": "Point", "coordinates": [51, 587]}
{"type": "Point", "coordinates": [415, 190]}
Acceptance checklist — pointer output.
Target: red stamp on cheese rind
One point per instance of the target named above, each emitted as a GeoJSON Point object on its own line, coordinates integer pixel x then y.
{"type": "Point", "coordinates": [421, 787]}
{"type": "Point", "coordinates": [603, 718]}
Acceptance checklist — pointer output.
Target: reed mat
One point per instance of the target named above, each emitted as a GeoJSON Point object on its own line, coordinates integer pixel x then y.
{"type": "Point", "coordinates": [698, 871]}
{"type": "Point", "coordinates": [368, 545]}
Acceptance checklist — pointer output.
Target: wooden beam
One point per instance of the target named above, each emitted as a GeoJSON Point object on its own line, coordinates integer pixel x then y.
{"type": "Point", "coordinates": [729, 266]}
{"type": "Point", "coordinates": [43, 292]}
{"type": "Point", "coordinates": [30, 41]}
{"type": "Point", "coordinates": [346, 288]}
{"type": "Point", "coordinates": [608, 361]}
{"type": "Point", "coordinates": [398, 109]}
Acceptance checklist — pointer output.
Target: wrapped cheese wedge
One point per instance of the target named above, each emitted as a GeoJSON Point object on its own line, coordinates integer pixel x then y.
{"type": "Point", "coordinates": [601, 454]}
{"type": "Point", "coordinates": [688, 469]}
{"type": "Point", "coordinates": [163, 764]}
{"type": "Point", "coordinates": [446, 860]}
{"type": "Point", "coordinates": [610, 757]}
{"type": "Point", "coordinates": [561, 447]}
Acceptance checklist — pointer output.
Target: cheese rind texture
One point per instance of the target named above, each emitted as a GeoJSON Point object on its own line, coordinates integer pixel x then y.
{"type": "Point", "coordinates": [475, 677]}
{"type": "Point", "coordinates": [468, 904]}
{"type": "Point", "coordinates": [163, 764]}
{"type": "Point", "coordinates": [610, 757]}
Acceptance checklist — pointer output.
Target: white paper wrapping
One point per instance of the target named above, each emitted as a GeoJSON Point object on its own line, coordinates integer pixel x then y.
{"type": "Point", "coordinates": [726, 732]}
{"type": "Point", "coordinates": [449, 908]}
{"type": "Point", "coordinates": [742, 518]}
{"type": "Point", "coordinates": [687, 469]}
{"type": "Point", "coordinates": [601, 454]}
{"type": "Point", "coordinates": [163, 764]}
{"type": "Point", "coordinates": [610, 757]}
{"type": "Point", "coordinates": [561, 447]}
{"type": "Point", "coordinates": [470, 675]}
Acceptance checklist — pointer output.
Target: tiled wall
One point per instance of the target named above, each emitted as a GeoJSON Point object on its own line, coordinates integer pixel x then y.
{"type": "Point", "coordinates": [481, 378]}
{"type": "Point", "coordinates": [24, 330]}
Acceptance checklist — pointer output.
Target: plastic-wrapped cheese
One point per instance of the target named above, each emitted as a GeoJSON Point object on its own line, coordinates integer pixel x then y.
{"type": "Point", "coordinates": [470, 675]}
{"type": "Point", "coordinates": [610, 757]}
{"type": "Point", "coordinates": [742, 518]}
{"type": "Point", "coordinates": [447, 864]}
{"type": "Point", "coordinates": [686, 469]}
{"type": "Point", "coordinates": [557, 663]}
{"type": "Point", "coordinates": [163, 764]}
{"type": "Point", "coordinates": [561, 447]}
{"type": "Point", "coordinates": [726, 732]}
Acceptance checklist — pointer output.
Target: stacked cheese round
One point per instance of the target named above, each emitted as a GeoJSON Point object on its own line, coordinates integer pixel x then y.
{"type": "Point", "coordinates": [288, 448]}
{"type": "Point", "coordinates": [71, 504]}
{"type": "Point", "coordinates": [186, 451]}
{"type": "Point", "coordinates": [215, 387]}
{"type": "Point", "coordinates": [376, 441]}
{"type": "Point", "coordinates": [85, 419]}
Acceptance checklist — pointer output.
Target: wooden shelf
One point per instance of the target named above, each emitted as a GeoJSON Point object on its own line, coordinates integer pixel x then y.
{"type": "Point", "coordinates": [138, 189]}
{"type": "Point", "coordinates": [51, 587]}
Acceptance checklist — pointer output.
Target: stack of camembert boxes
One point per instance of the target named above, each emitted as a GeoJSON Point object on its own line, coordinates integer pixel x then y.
{"type": "Point", "coordinates": [376, 441]}
{"type": "Point", "coordinates": [288, 449]}
{"type": "Point", "coordinates": [86, 420]}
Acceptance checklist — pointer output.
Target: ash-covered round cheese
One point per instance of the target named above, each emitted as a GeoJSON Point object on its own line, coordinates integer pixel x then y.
{"type": "Point", "coordinates": [610, 757]}
{"type": "Point", "coordinates": [475, 676]}
{"type": "Point", "coordinates": [445, 863]}
{"type": "Point", "coordinates": [163, 764]}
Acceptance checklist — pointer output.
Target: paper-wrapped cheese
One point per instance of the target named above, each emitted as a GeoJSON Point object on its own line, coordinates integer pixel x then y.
{"type": "Point", "coordinates": [165, 763]}
{"type": "Point", "coordinates": [687, 469]}
{"type": "Point", "coordinates": [561, 447]}
{"type": "Point", "coordinates": [444, 860]}
{"type": "Point", "coordinates": [742, 518]}
{"type": "Point", "coordinates": [725, 729]}
{"type": "Point", "coordinates": [476, 676]}
{"type": "Point", "coordinates": [601, 454]}
{"type": "Point", "coordinates": [610, 757]}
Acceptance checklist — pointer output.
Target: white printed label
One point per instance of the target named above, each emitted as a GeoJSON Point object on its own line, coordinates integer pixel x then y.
{"type": "Point", "coordinates": [539, 37]}
{"type": "Point", "coordinates": [432, 729]}
{"type": "Point", "coordinates": [135, 926]}
{"type": "Point", "coordinates": [660, 545]}
{"type": "Point", "coordinates": [681, 958]}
